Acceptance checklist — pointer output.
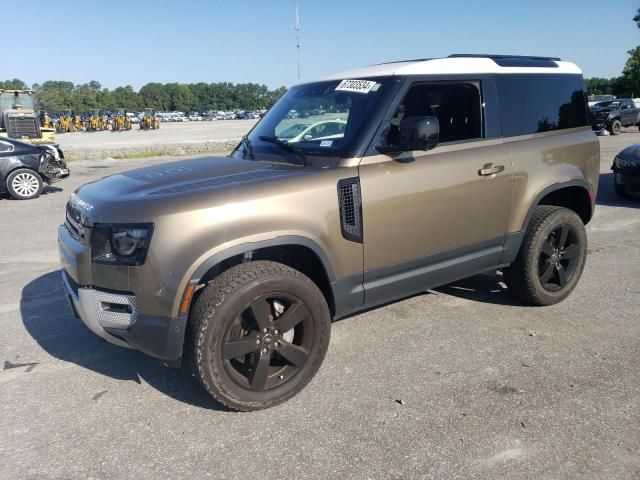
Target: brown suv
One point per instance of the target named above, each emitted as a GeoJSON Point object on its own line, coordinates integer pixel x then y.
{"type": "Point", "coordinates": [356, 190]}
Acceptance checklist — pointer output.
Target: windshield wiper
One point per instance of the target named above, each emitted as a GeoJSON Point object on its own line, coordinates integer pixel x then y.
{"type": "Point", "coordinates": [246, 143]}
{"type": "Point", "coordinates": [286, 146]}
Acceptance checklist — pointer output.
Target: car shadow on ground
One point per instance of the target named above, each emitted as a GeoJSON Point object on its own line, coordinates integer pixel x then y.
{"type": "Point", "coordinates": [608, 196]}
{"type": "Point", "coordinates": [48, 319]}
{"type": "Point", "coordinates": [485, 288]}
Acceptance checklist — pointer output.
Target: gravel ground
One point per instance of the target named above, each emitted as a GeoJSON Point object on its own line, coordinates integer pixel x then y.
{"type": "Point", "coordinates": [170, 139]}
{"type": "Point", "coordinates": [461, 382]}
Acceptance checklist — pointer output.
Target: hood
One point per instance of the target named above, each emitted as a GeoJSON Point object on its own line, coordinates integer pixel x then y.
{"type": "Point", "coordinates": [600, 109]}
{"type": "Point", "coordinates": [631, 154]}
{"type": "Point", "coordinates": [174, 182]}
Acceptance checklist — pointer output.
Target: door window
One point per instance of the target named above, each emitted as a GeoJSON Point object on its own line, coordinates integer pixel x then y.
{"type": "Point", "coordinates": [457, 106]}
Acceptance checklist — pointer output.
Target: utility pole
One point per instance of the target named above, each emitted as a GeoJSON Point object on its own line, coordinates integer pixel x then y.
{"type": "Point", "coordinates": [298, 37]}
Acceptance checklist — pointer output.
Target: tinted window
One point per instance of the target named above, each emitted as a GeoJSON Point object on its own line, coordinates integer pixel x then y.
{"type": "Point", "coordinates": [540, 103]}
{"type": "Point", "coordinates": [456, 105]}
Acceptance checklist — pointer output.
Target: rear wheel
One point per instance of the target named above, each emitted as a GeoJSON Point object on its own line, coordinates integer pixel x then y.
{"type": "Point", "coordinates": [551, 257]}
{"type": "Point", "coordinates": [24, 184]}
{"type": "Point", "coordinates": [615, 128]}
{"type": "Point", "coordinates": [259, 334]}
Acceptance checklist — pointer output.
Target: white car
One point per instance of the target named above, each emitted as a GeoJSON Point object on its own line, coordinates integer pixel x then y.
{"type": "Point", "coordinates": [180, 118]}
{"type": "Point", "coordinates": [195, 118]}
{"type": "Point", "coordinates": [305, 132]}
{"type": "Point", "coordinates": [133, 117]}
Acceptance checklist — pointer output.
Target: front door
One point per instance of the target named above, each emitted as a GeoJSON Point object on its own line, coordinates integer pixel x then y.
{"type": "Point", "coordinates": [436, 216]}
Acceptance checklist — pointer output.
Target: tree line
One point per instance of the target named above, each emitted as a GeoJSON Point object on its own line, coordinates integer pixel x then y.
{"type": "Point", "coordinates": [55, 95]}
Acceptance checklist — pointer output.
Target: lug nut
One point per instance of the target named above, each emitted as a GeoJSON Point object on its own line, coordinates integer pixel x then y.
{"type": "Point", "coordinates": [275, 331]}
{"type": "Point", "coordinates": [258, 342]}
{"type": "Point", "coordinates": [264, 350]}
{"type": "Point", "coordinates": [264, 330]}
{"type": "Point", "coordinates": [275, 344]}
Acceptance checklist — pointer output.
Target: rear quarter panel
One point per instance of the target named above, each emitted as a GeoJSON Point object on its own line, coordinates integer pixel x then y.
{"type": "Point", "coordinates": [542, 160]}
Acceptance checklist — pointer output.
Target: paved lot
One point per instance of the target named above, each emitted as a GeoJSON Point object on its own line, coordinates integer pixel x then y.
{"type": "Point", "coordinates": [170, 139]}
{"type": "Point", "coordinates": [490, 388]}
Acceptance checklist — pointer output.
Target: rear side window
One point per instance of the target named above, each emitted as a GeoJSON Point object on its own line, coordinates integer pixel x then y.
{"type": "Point", "coordinates": [5, 147]}
{"type": "Point", "coordinates": [541, 103]}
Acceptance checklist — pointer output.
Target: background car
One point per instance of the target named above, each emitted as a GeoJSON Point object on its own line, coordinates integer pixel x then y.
{"type": "Point", "coordinates": [24, 168]}
{"type": "Point", "coordinates": [326, 130]}
{"type": "Point", "coordinates": [626, 171]}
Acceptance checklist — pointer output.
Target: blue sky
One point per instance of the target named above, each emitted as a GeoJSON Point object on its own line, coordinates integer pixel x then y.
{"type": "Point", "coordinates": [138, 41]}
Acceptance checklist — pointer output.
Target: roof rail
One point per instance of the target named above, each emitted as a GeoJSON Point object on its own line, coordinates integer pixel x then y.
{"type": "Point", "coordinates": [404, 61]}
{"type": "Point", "coordinates": [501, 57]}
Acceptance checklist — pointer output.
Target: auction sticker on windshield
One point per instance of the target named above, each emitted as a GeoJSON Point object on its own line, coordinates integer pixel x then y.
{"type": "Point", "coordinates": [359, 86]}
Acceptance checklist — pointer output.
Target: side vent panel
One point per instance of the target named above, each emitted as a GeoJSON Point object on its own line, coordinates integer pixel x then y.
{"type": "Point", "coordinates": [350, 209]}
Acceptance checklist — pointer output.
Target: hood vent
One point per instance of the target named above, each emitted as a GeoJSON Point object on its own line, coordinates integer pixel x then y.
{"type": "Point", "coordinates": [350, 209]}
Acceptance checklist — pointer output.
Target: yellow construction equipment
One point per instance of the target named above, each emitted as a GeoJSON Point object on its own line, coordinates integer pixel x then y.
{"type": "Point", "coordinates": [104, 122]}
{"type": "Point", "coordinates": [18, 118]}
{"type": "Point", "coordinates": [45, 120]}
{"type": "Point", "coordinates": [94, 123]}
{"type": "Point", "coordinates": [149, 121]}
{"type": "Point", "coordinates": [65, 124]}
{"type": "Point", "coordinates": [121, 121]}
{"type": "Point", "coordinates": [78, 124]}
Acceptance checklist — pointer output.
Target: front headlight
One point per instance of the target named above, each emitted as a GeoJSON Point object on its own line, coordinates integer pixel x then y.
{"type": "Point", "coordinates": [121, 244]}
{"type": "Point", "coordinates": [620, 163]}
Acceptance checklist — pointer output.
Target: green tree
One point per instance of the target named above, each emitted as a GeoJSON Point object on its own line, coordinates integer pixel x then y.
{"type": "Point", "coordinates": [154, 95]}
{"type": "Point", "coordinates": [14, 84]}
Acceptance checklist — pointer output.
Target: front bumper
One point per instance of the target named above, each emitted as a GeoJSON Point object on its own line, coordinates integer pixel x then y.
{"type": "Point", "coordinates": [114, 315]}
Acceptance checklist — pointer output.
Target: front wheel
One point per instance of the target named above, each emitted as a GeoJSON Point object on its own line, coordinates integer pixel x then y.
{"type": "Point", "coordinates": [615, 128]}
{"type": "Point", "coordinates": [24, 184]}
{"type": "Point", "coordinates": [551, 257]}
{"type": "Point", "coordinates": [259, 333]}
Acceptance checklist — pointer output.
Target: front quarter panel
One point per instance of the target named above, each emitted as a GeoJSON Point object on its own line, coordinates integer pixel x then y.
{"type": "Point", "coordinates": [200, 227]}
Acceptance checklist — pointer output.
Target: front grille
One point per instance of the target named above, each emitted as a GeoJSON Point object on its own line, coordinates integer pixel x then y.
{"type": "Point", "coordinates": [350, 209]}
{"type": "Point", "coordinates": [22, 126]}
{"type": "Point", "coordinates": [73, 222]}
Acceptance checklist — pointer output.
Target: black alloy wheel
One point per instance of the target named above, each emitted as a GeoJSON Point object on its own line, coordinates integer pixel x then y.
{"type": "Point", "coordinates": [268, 342]}
{"type": "Point", "coordinates": [559, 257]}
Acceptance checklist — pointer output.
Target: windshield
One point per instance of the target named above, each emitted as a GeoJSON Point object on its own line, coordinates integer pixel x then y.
{"type": "Point", "coordinates": [9, 100]}
{"type": "Point", "coordinates": [608, 104]}
{"type": "Point", "coordinates": [321, 119]}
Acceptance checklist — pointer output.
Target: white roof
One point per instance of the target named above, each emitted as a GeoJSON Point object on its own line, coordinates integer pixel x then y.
{"type": "Point", "coordinates": [449, 66]}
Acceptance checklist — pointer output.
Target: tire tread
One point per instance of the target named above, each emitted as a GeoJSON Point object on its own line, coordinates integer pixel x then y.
{"type": "Point", "coordinates": [203, 313]}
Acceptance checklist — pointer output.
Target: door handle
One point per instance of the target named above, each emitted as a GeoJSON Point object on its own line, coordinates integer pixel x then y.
{"type": "Point", "coordinates": [490, 169]}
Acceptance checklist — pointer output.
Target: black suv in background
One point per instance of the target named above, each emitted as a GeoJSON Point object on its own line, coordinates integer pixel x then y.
{"type": "Point", "coordinates": [612, 115]}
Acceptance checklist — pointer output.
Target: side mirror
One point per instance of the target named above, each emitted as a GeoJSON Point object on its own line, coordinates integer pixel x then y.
{"type": "Point", "coordinates": [419, 133]}
{"type": "Point", "coordinates": [414, 133]}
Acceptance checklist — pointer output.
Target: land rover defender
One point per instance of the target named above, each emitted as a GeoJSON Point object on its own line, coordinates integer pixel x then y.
{"type": "Point", "coordinates": [399, 178]}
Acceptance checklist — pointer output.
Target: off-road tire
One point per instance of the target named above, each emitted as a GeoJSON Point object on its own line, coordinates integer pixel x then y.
{"type": "Point", "coordinates": [34, 179]}
{"type": "Point", "coordinates": [615, 128]}
{"type": "Point", "coordinates": [522, 276]}
{"type": "Point", "coordinates": [217, 306]}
